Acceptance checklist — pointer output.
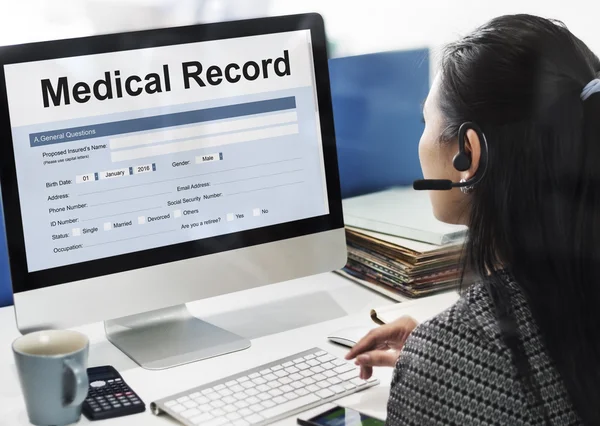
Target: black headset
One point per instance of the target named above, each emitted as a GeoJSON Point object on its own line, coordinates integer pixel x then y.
{"type": "Point", "coordinates": [461, 162]}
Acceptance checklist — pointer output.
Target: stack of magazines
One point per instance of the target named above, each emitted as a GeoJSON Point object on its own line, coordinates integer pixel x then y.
{"type": "Point", "coordinates": [397, 247]}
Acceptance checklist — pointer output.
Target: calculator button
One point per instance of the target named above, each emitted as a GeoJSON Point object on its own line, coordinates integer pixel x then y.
{"type": "Point", "coordinates": [98, 384]}
{"type": "Point", "coordinates": [97, 410]}
{"type": "Point", "coordinates": [126, 404]}
{"type": "Point", "coordinates": [118, 380]}
{"type": "Point", "coordinates": [111, 381]}
{"type": "Point", "coordinates": [137, 402]}
{"type": "Point", "coordinates": [117, 405]}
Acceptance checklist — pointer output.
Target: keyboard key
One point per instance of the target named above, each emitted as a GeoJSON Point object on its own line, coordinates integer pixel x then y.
{"type": "Point", "coordinates": [219, 387]}
{"type": "Point", "coordinates": [230, 408]}
{"type": "Point", "coordinates": [286, 388]}
{"type": "Point", "coordinates": [217, 412]}
{"type": "Point", "coordinates": [319, 377]}
{"type": "Point", "coordinates": [241, 404]}
{"type": "Point", "coordinates": [302, 366]}
{"type": "Point", "coordinates": [344, 368]}
{"type": "Point", "coordinates": [254, 418]}
{"type": "Point", "coordinates": [248, 385]}
{"type": "Point", "coordinates": [288, 406]}
{"type": "Point", "coordinates": [357, 381]}
{"type": "Point", "coordinates": [296, 376]}
{"type": "Point", "coordinates": [306, 373]}
{"type": "Point", "coordinates": [297, 385]}
{"type": "Point", "coordinates": [188, 414]}
{"type": "Point", "coordinates": [279, 399]}
{"type": "Point", "coordinates": [263, 388]}
{"type": "Point", "coordinates": [265, 371]}
{"type": "Point", "coordinates": [178, 408]}
{"type": "Point", "coordinates": [312, 362]}
{"type": "Point", "coordinates": [325, 358]}
{"type": "Point", "coordinates": [298, 360]}
{"type": "Point", "coordinates": [321, 353]}
{"type": "Point", "coordinates": [236, 388]}
{"type": "Point", "coordinates": [313, 388]}
{"type": "Point", "coordinates": [230, 383]}
{"type": "Point", "coordinates": [201, 419]}
{"type": "Point", "coordinates": [287, 364]}
{"type": "Point", "coordinates": [232, 416]}
{"type": "Point", "coordinates": [229, 400]}
{"type": "Point", "coordinates": [263, 396]}
{"type": "Point", "coordinates": [324, 393]}
{"type": "Point", "coordinates": [190, 404]}
{"type": "Point", "coordinates": [252, 400]}
{"type": "Point", "coordinates": [337, 389]}
{"type": "Point", "coordinates": [350, 374]}
{"type": "Point", "coordinates": [275, 392]}
{"type": "Point", "coordinates": [254, 375]}
{"type": "Point", "coordinates": [308, 381]}
{"type": "Point", "coordinates": [309, 356]}
{"type": "Point", "coordinates": [348, 385]}
{"type": "Point", "coordinates": [182, 399]}
{"type": "Point", "coordinates": [217, 404]}
{"type": "Point", "coordinates": [251, 392]}
{"type": "Point", "coordinates": [334, 380]}
{"type": "Point", "coordinates": [285, 380]}
{"type": "Point", "coordinates": [169, 404]}
{"type": "Point", "coordinates": [281, 373]}
{"type": "Point", "coordinates": [301, 391]}
{"type": "Point", "coordinates": [257, 408]}
{"type": "Point", "coordinates": [337, 362]}
{"type": "Point", "coordinates": [205, 408]}
{"type": "Point", "coordinates": [259, 381]}
{"type": "Point", "coordinates": [292, 370]}
{"type": "Point", "coordinates": [270, 377]}
{"type": "Point", "coordinates": [216, 422]}
{"type": "Point", "coordinates": [324, 384]}
{"type": "Point", "coordinates": [244, 412]}
{"type": "Point", "coordinates": [241, 422]}
{"type": "Point", "coordinates": [243, 379]}
{"type": "Point", "coordinates": [225, 392]}
{"type": "Point", "coordinates": [268, 403]}
{"type": "Point", "coordinates": [207, 391]}
{"type": "Point", "coordinates": [291, 395]}
{"type": "Point", "coordinates": [329, 373]}
{"type": "Point", "coordinates": [276, 368]}
{"type": "Point", "coordinates": [275, 384]}
{"type": "Point", "coordinates": [317, 369]}
{"type": "Point", "coordinates": [327, 366]}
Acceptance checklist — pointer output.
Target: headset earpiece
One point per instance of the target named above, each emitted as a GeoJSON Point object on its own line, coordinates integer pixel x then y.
{"type": "Point", "coordinates": [462, 160]}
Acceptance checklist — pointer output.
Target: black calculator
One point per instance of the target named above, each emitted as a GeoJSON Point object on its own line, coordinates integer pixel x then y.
{"type": "Point", "coordinates": [109, 396]}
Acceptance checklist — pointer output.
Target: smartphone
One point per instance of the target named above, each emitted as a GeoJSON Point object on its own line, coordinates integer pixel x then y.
{"type": "Point", "coordinates": [341, 416]}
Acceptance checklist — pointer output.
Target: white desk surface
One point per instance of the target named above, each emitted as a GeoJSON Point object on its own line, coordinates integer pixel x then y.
{"type": "Point", "coordinates": [280, 319]}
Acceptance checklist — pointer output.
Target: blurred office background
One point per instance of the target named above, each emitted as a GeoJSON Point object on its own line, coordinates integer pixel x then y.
{"type": "Point", "coordinates": [394, 42]}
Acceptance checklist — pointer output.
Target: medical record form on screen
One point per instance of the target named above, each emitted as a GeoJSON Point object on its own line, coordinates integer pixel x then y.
{"type": "Point", "coordinates": [132, 150]}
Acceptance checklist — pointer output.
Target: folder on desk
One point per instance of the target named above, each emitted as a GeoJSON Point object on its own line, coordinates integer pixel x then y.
{"type": "Point", "coordinates": [419, 310]}
{"type": "Point", "coordinates": [401, 212]}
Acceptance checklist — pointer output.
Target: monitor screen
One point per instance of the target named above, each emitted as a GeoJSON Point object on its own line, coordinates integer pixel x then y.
{"type": "Point", "coordinates": [133, 150]}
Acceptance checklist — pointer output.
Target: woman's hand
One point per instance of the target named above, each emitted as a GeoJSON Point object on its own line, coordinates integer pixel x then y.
{"type": "Point", "coordinates": [381, 346]}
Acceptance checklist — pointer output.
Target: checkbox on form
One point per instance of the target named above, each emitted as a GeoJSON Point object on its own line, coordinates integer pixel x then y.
{"type": "Point", "coordinates": [76, 232]}
{"type": "Point", "coordinates": [107, 226]}
{"type": "Point", "coordinates": [141, 220]}
{"type": "Point", "coordinates": [177, 213]}
{"type": "Point", "coordinates": [229, 217]}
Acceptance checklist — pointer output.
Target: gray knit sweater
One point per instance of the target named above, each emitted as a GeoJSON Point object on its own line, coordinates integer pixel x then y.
{"type": "Point", "coordinates": [456, 370]}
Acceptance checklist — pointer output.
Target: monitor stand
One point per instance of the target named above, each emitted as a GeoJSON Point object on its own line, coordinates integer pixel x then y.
{"type": "Point", "coordinates": [170, 337]}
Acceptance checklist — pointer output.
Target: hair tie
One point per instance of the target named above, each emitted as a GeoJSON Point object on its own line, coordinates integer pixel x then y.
{"type": "Point", "coordinates": [591, 88]}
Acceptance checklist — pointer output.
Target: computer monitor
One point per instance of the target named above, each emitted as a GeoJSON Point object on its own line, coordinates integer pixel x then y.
{"type": "Point", "coordinates": [144, 170]}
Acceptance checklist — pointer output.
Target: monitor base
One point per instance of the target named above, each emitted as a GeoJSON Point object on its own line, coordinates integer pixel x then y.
{"type": "Point", "coordinates": [170, 337]}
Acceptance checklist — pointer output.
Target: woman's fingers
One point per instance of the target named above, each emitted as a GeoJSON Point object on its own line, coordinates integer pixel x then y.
{"type": "Point", "coordinates": [391, 335]}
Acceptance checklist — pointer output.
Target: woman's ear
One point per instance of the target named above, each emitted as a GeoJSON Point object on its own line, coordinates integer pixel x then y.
{"type": "Point", "coordinates": [473, 149]}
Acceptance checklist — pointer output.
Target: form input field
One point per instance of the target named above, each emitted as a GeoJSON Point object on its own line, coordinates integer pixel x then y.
{"type": "Point", "coordinates": [205, 142]}
{"type": "Point", "coordinates": [221, 126]}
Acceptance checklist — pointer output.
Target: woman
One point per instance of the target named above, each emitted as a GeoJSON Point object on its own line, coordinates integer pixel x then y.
{"type": "Point", "coordinates": [522, 346]}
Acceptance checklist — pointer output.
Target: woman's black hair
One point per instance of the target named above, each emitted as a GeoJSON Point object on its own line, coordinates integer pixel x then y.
{"type": "Point", "coordinates": [537, 211]}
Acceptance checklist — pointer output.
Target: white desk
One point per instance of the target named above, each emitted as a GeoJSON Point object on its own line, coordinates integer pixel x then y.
{"type": "Point", "coordinates": [280, 319]}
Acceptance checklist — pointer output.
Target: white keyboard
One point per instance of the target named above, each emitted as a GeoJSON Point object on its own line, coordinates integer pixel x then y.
{"type": "Point", "coordinates": [267, 393]}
